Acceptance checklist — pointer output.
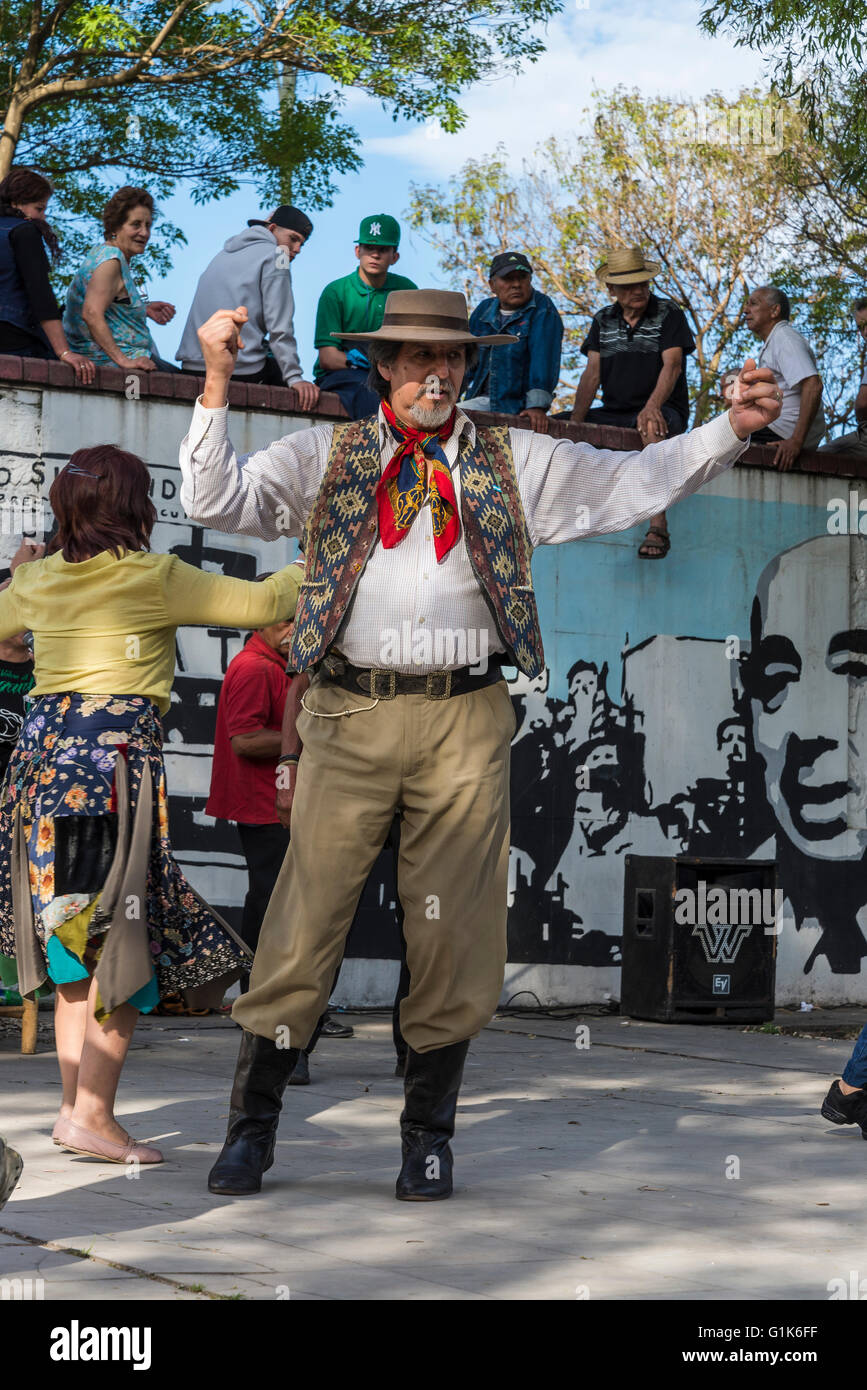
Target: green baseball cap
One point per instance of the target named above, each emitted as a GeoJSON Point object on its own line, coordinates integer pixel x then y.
{"type": "Point", "coordinates": [379, 230]}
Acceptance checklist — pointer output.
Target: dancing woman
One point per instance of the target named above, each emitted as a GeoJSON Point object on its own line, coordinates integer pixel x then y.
{"type": "Point", "coordinates": [90, 893]}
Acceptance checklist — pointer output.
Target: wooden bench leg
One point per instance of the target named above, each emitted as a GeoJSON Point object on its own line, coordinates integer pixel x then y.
{"type": "Point", "coordinates": [29, 1022]}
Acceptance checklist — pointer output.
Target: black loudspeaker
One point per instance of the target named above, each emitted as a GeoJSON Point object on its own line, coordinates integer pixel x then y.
{"type": "Point", "coordinates": [699, 939]}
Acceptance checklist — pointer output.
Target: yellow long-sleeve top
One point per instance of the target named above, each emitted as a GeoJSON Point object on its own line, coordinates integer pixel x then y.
{"type": "Point", "coordinates": [106, 626]}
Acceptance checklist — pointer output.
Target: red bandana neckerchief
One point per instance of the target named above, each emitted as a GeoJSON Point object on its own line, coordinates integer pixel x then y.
{"type": "Point", "coordinates": [402, 488]}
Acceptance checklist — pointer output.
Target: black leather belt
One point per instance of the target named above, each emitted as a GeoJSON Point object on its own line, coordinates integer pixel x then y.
{"type": "Point", "coordinates": [384, 684]}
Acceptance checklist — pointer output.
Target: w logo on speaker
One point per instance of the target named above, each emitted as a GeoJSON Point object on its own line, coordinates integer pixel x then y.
{"type": "Point", "coordinates": [721, 944]}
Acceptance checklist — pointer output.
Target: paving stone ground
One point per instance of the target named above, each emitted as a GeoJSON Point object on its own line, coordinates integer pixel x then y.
{"type": "Point", "coordinates": [602, 1171]}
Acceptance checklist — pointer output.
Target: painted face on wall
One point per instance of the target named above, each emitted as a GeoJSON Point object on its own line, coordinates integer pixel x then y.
{"type": "Point", "coordinates": [583, 685]}
{"type": "Point", "coordinates": [537, 713]}
{"type": "Point", "coordinates": [732, 741]}
{"type": "Point", "coordinates": [806, 677]}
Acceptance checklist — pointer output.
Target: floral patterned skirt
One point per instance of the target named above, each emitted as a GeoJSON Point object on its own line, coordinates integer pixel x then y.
{"type": "Point", "coordinates": [88, 881]}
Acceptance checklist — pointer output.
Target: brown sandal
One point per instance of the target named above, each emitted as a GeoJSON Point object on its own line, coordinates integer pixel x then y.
{"type": "Point", "coordinates": [661, 546]}
{"type": "Point", "coordinates": [175, 1006]}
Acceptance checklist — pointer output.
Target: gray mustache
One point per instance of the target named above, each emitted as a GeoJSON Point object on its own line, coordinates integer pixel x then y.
{"type": "Point", "coordinates": [447, 391]}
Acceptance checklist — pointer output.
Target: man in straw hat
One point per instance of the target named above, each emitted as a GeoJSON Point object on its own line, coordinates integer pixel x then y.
{"type": "Point", "coordinates": [419, 527]}
{"type": "Point", "coordinates": [636, 350]}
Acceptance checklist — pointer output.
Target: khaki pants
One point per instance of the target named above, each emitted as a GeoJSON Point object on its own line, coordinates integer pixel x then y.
{"type": "Point", "coordinates": [445, 765]}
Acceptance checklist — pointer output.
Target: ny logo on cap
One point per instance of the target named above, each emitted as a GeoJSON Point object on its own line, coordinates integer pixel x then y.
{"type": "Point", "coordinates": [376, 229]}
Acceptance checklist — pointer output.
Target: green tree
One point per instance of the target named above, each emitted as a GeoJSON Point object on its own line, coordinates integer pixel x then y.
{"type": "Point", "coordinates": [159, 91]}
{"type": "Point", "coordinates": [702, 186]}
{"type": "Point", "coordinates": [815, 51]}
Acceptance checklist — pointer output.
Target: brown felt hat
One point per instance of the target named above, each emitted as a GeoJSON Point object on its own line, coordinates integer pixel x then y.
{"type": "Point", "coordinates": [627, 267]}
{"type": "Point", "coordinates": [426, 316]}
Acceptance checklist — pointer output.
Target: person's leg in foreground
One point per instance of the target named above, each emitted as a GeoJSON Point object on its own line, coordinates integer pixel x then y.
{"type": "Point", "coordinates": [90, 1081]}
{"type": "Point", "coordinates": [70, 1025]}
{"type": "Point", "coordinates": [345, 797]}
{"type": "Point", "coordinates": [454, 856]}
{"type": "Point", "coordinates": [846, 1101]}
{"type": "Point", "coordinates": [657, 542]}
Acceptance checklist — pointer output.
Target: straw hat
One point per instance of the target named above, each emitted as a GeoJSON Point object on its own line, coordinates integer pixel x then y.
{"type": "Point", "coordinates": [626, 267]}
{"type": "Point", "coordinates": [426, 316]}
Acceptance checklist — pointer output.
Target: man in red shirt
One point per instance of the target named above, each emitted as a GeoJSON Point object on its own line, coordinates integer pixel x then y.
{"type": "Point", "coordinates": [244, 777]}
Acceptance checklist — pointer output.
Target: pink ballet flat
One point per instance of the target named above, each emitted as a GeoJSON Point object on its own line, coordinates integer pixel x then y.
{"type": "Point", "coordinates": [68, 1135]}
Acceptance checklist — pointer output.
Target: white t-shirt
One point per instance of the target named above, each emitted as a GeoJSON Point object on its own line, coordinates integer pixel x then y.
{"type": "Point", "coordinates": [790, 358]}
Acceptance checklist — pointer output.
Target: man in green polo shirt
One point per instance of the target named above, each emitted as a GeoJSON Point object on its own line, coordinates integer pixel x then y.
{"type": "Point", "coordinates": [355, 304]}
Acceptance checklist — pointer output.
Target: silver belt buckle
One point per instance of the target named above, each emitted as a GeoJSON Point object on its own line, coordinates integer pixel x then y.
{"type": "Point", "coordinates": [432, 676]}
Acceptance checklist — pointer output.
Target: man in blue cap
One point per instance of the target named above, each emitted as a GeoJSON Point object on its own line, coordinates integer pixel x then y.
{"type": "Point", "coordinates": [356, 304]}
{"type": "Point", "coordinates": [519, 379]}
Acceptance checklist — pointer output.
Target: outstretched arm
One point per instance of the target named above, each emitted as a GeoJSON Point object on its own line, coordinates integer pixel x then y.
{"type": "Point", "coordinates": [572, 491]}
{"type": "Point", "coordinates": [267, 493]}
{"type": "Point", "coordinates": [198, 597]}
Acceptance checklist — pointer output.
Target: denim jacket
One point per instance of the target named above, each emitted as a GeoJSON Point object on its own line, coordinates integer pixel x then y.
{"type": "Point", "coordinates": [519, 375]}
{"type": "Point", "coordinates": [14, 304]}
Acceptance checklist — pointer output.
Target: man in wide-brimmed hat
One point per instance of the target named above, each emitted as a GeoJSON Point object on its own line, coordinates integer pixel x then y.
{"type": "Point", "coordinates": [636, 350]}
{"type": "Point", "coordinates": [419, 527]}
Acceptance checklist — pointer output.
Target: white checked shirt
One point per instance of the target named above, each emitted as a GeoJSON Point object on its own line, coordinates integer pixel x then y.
{"type": "Point", "coordinates": [569, 492]}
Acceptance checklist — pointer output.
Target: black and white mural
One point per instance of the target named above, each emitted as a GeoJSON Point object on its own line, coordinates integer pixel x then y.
{"type": "Point", "coordinates": [753, 748]}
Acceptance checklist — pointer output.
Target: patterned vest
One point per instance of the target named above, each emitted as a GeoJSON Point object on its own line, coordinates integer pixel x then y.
{"type": "Point", "coordinates": [343, 527]}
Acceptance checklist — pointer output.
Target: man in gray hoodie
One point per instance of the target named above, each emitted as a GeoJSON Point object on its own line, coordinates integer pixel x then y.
{"type": "Point", "coordinates": [253, 269]}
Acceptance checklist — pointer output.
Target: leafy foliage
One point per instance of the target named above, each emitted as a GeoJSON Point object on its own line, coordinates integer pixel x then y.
{"type": "Point", "coordinates": [815, 49]}
{"type": "Point", "coordinates": [714, 191]}
{"type": "Point", "coordinates": [158, 91]}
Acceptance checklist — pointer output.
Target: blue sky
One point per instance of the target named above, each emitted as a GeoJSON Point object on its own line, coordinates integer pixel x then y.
{"type": "Point", "coordinates": [656, 48]}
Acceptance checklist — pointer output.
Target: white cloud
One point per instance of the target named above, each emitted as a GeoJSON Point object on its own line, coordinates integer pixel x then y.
{"type": "Point", "coordinates": [661, 53]}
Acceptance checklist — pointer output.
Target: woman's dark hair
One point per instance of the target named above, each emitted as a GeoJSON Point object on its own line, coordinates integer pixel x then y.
{"type": "Point", "coordinates": [23, 185]}
{"type": "Point", "coordinates": [101, 502]}
{"type": "Point", "coordinates": [121, 204]}
{"type": "Point", "coordinates": [385, 351]}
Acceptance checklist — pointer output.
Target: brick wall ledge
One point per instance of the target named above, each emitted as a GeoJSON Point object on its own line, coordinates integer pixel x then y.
{"type": "Point", "coordinates": [32, 371]}
{"type": "Point", "coordinates": [167, 386]}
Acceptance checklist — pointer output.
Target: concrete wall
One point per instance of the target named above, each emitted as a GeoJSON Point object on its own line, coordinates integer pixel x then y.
{"type": "Point", "coordinates": [650, 732]}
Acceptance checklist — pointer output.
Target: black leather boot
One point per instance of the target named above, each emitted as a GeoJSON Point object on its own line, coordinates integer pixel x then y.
{"type": "Point", "coordinates": [301, 1074]}
{"type": "Point", "coordinates": [257, 1096]}
{"type": "Point", "coordinates": [846, 1110]}
{"type": "Point", "coordinates": [431, 1084]}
